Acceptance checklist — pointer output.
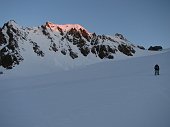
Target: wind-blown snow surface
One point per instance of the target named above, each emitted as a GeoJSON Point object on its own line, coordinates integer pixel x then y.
{"type": "Point", "coordinates": [124, 93]}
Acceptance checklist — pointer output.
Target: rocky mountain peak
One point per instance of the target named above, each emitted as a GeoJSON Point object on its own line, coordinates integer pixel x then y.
{"type": "Point", "coordinates": [10, 24]}
{"type": "Point", "coordinates": [120, 36]}
{"type": "Point", "coordinates": [52, 41]}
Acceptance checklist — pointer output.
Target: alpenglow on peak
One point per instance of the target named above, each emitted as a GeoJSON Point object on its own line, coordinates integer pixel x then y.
{"type": "Point", "coordinates": [65, 27]}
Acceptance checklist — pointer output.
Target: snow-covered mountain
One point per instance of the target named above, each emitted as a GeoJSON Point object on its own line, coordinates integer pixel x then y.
{"type": "Point", "coordinates": [59, 46]}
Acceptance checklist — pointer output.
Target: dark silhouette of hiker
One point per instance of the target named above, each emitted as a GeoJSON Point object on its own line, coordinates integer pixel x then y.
{"type": "Point", "coordinates": [156, 69]}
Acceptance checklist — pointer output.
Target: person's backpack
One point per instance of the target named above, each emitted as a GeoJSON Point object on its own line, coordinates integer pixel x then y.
{"type": "Point", "coordinates": [156, 67]}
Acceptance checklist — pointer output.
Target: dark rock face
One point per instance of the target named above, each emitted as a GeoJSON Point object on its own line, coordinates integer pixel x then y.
{"type": "Point", "coordinates": [9, 59]}
{"type": "Point", "coordinates": [83, 47]}
{"type": "Point", "coordinates": [85, 34]}
{"type": "Point", "coordinates": [73, 54]}
{"type": "Point", "coordinates": [61, 31]}
{"type": "Point", "coordinates": [103, 51]}
{"type": "Point", "coordinates": [155, 48]}
{"type": "Point", "coordinates": [46, 33]}
{"type": "Point", "coordinates": [87, 43]}
{"type": "Point", "coordinates": [10, 53]}
{"type": "Point", "coordinates": [37, 49]}
{"type": "Point", "coordinates": [127, 50]}
{"type": "Point", "coordinates": [2, 38]}
{"type": "Point", "coordinates": [85, 50]}
{"type": "Point", "coordinates": [53, 47]}
{"type": "Point", "coordinates": [74, 33]}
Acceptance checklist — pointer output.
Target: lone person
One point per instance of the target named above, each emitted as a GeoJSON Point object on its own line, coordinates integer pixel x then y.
{"type": "Point", "coordinates": [156, 69]}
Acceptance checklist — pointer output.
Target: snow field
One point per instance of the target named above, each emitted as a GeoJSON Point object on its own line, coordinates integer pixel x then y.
{"type": "Point", "coordinates": [121, 93]}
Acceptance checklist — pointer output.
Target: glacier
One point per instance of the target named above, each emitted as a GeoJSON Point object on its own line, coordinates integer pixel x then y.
{"type": "Point", "coordinates": [121, 93]}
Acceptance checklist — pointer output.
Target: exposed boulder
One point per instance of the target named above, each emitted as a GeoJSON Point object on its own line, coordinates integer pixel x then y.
{"type": "Point", "coordinates": [64, 51]}
{"type": "Point", "coordinates": [155, 48]}
{"type": "Point", "coordinates": [141, 47]}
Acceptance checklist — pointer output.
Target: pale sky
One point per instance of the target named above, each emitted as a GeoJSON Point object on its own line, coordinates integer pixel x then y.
{"type": "Point", "coordinates": [142, 22]}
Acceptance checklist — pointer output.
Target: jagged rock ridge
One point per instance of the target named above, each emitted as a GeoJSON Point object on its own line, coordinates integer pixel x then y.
{"type": "Point", "coordinates": [69, 40]}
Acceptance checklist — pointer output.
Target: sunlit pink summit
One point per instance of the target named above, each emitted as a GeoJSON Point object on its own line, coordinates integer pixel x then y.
{"type": "Point", "coordinates": [65, 27]}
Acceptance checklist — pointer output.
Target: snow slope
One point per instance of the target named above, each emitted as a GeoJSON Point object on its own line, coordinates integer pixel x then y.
{"type": "Point", "coordinates": [121, 93]}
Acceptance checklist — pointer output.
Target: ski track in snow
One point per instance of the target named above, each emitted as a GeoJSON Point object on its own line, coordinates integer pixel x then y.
{"type": "Point", "coordinates": [121, 93]}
